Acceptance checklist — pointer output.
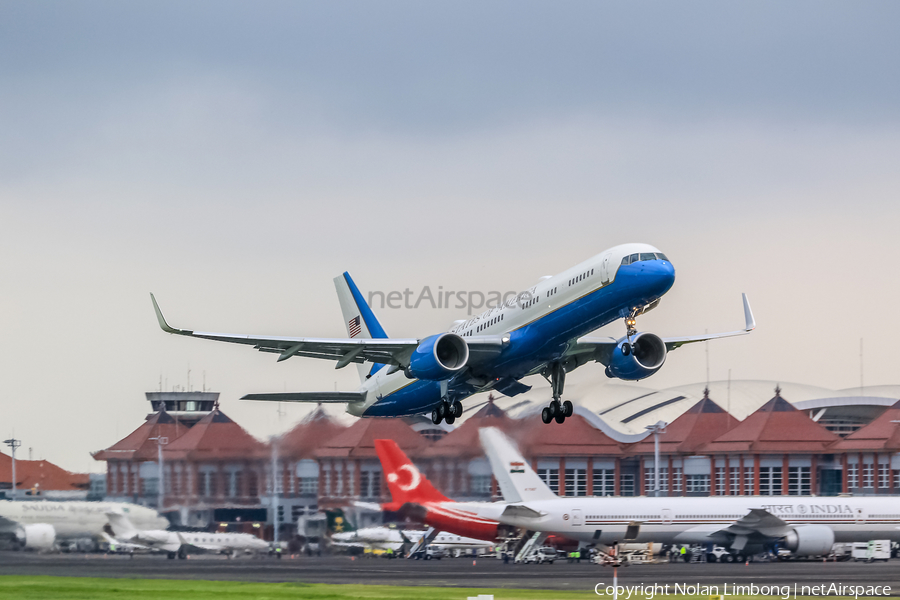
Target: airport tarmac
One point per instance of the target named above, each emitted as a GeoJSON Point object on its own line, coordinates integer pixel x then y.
{"type": "Point", "coordinates": [456, 572]}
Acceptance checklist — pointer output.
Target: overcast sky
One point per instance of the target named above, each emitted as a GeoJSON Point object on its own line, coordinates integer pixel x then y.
{"type": "Point", "coordinates": [234, 157]}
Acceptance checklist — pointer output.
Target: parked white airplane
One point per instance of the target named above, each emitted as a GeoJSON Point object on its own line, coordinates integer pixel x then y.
{"type": "Point", "coordinates": [544, 330]}
{"type": "Point", "coordinates": [181, 544]}
{"type": "Point", "coordinates": [806, 525]}
{"type": "Point", "coordinates": [39, 524]}
{"type": "Point", "coordinates": [389, 538]}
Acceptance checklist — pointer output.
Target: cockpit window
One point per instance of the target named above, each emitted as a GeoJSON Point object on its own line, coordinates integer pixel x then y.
{"type": "Point", "coordinates": [643, 256]}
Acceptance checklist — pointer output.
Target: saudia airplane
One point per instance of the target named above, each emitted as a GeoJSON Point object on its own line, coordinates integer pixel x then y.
{"type": "Point", "coordinates": [543, 330]}
{"type": "Point", "coordinates": [38, 525]}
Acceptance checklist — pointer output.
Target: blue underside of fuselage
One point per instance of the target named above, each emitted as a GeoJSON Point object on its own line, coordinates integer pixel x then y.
{"type": "Point", "coordinates": [544, 340]}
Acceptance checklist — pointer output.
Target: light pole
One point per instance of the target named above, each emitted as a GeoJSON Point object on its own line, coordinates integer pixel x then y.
{"type": "Point", "coordinates": [275, 491]}
{"type": "Point", "coordinates": [13, 443]}
{"type": "Point", "coordinates": [656, 429]}
{"type": "Point", "coordinates": [161, 486]}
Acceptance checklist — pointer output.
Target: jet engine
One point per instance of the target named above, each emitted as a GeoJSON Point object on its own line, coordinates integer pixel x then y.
{"type": "Point", "coordinates": [438, 357]}
{"type": "Point", "coordinates": [39, 536]}
{"type": "Point", "coordinates": [637, 359]}
{"type": "Point", "coordinates": [810, 540]}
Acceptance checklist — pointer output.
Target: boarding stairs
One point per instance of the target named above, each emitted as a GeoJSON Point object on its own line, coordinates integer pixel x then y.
{"type": "Point", "coordinates": [531, 546]}
{"type": "Point", "coordinates": [423, 541]}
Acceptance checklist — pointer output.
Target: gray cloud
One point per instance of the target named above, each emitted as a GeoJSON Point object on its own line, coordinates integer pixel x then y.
{"type": "Point", "coordinates": [233, 158]}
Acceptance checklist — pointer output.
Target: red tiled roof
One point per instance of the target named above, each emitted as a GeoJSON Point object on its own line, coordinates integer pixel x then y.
{"type": "Point", "coordinates": [358, 440]}
{"type": "Point", "coordinates": [881, 434]}
{"type": "Point", "coordinates": [138, 445]}
{"type": "Point", "coordinates": [775, 427]}
{"type": "Point", "coordinates": [574, 437]}
{"type": "Point", "coordinates": [41, 474]}
{"type": "Point", "coordinates": [215, 437]}
{"type": "Point", "coordinates": [463, 442]}
{"type": "Point", "coordinates": [702, 423]}
{"type": "Point", "coordinates": [316, 429]}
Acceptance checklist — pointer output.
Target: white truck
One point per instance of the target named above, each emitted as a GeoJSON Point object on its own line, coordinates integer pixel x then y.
{"type": "Point", "coordinates": [871, 551]}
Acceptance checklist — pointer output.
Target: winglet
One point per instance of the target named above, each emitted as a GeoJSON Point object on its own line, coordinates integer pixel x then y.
{"type": "Point", "coordinates": [162, 320]}
{"type": "Point", "coordinates": [748, 315]}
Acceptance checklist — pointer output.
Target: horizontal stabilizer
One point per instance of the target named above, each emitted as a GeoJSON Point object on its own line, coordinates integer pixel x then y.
{"type": "Point", "coordinates": [335, 397]}
{"type": "Point", "coordinates": [521, 511]}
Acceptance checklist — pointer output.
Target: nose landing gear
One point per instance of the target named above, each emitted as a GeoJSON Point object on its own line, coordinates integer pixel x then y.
{"type": "Point", "coordinates": [557, 410]}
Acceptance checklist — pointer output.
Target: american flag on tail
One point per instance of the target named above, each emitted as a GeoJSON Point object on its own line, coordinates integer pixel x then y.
{"type": "Point", "coordinates": [354, 327]}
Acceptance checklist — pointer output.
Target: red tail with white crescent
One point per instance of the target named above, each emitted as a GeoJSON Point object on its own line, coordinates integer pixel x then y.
{"type": "Point", "coordinates": [404, 480]}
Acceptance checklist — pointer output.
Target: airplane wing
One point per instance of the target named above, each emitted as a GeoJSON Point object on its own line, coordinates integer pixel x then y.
{"type": "Point", "coordinates": [7, 525]}
{"type": "Point", "coordinates": [327, 397]}
{"type": "Point", "coordinates": [122, 545]}
{"type": "Point", "coordinates": [193, 548]}
{"type": "Point", "coordinates": [386, 351]}
{"type": "Point", "coordinates": [758, 521]}
{"type": "Point", "coordinates": [600, 349]}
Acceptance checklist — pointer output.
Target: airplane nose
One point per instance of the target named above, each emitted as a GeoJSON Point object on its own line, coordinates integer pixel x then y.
{"type": "Point", "coordinates": [663, 276]}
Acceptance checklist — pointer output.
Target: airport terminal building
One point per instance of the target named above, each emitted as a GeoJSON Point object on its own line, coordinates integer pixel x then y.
{"type": "Point", "coordinates": [216, 472]}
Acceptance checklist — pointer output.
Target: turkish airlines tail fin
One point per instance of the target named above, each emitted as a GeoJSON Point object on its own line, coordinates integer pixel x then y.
{"type": "Point", "coordinates": [516, 478]}
{"type": "Point", "coordinates": [404, 480]}
{"type": "Point", "coordinates": [120, 525]}
{"type": "Point", "coordinates": [359, 319]}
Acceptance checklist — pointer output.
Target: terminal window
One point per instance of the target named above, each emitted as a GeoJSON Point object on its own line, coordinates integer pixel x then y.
{"type": "Point", "coordinates": [770, 481]}
{"type": "Point", "coordinates": [604, 482]}
{"type": "Point", "coordinates": [799, 481]}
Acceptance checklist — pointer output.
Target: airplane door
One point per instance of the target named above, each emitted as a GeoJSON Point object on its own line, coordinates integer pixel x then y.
{"type": "Point", "coordinates": [860, 516]}
{"type": "Point", "coordinates": [577, 517]}
{"type": "Point", "coordinates": [666, 516]}
{"type": "Point", "coordinates": [604, 269]}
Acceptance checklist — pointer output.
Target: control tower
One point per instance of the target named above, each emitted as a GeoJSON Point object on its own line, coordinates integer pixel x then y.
{"type": "Point", "coordinates": [185, 407]}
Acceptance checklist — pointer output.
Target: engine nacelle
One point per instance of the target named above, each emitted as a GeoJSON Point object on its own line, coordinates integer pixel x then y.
{"type": "Point", "coordinates": [39, 536]}
{"type": "Point", "coordinates": [638, 359]}
{"type": "Point", "coordinates": [438, 357]}
{"type": "Point", "coordinates": [810, 540]}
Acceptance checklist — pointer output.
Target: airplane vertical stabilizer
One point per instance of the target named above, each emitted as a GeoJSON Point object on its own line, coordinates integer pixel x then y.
{"type": "Point", "coordinates": [359, 319]}
{"type": "Point", "coordinates": [516, 478]}
{"type": "Point", "coordinates": [120, 525]}
{"type": "Point", "coordinates": [404, 480]}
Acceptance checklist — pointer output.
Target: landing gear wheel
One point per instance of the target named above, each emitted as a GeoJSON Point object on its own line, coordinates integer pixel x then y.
{"type": "Point", "coordinates": [560, 417]}
{"type": "Point", "coordinates": [442, 410]}
{"type": "Point", "coordinates": [568, 409]}
{"type": "Point", "coordinates": [457, 408]}
{"type": "Point", "coordinates": [435, 417]}
{"type": "Point", "coordinates": [450, 419]}
{"type": "Point", "coordinates": [553, 408]}
{"type": "Point", "coordinates": [545, 415]}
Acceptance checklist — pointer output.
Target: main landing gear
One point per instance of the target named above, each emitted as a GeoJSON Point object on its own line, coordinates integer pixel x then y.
{"type": "Point", "coordinates": [446, 410]}
{"type": "Point", "coordinates": [557, 410]}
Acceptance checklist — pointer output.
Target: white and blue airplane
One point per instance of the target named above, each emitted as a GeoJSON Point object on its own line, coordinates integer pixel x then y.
{"type": "Point", "coordinates": [541, 331]}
